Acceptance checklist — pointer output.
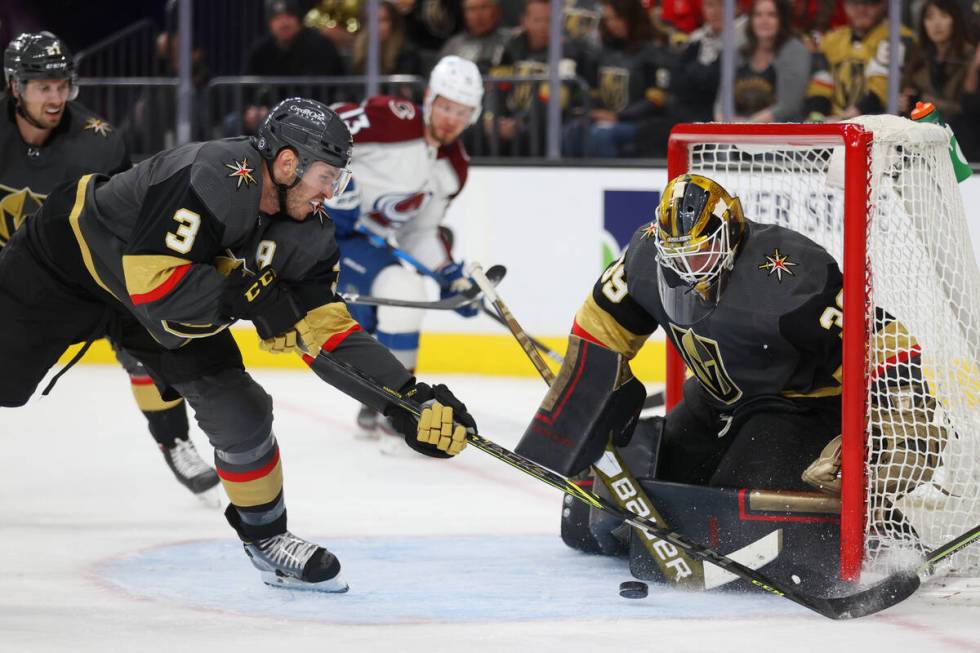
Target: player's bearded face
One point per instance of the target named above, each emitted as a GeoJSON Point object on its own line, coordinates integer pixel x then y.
{"type": "Point", "coordinates": [448, 119]}
{"type": "Point", "coordinates": [44, 100]}
{"type": "Point", "coordinates": [319, 183]}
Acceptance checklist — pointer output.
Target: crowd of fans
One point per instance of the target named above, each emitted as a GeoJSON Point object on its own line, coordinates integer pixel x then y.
{"type": "Point", "coordinates": [633, 68]}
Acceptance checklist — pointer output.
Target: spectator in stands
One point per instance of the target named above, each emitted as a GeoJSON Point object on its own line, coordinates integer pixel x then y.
{"type": "Point", "coordinates": [938, 67]}
{"type": "Point", "coordinates": [289, 50]}
{"type": "Point", "coordinates": [814, 18]}
{"type": "Point", "coordinates": [515, 113]}
{"type": "Point", "coordinates": [966, 125]}
{"type": "Point", "coordinates": [398, 56]}
{"type": "Point", "coordinates": [773, 67]}
{"type": "Point", "coordinates": [629, 81]}
{"type": "Point", "coordinates": [851, 67]}
{"type": "Point", "coordinates": [483, 39]}
{"type": "Point", "coordinates": [148, 126]}
{"type": "Point", "coordinates": [428, 23]}
{"type": "Point", "coordinates": [696, 73]}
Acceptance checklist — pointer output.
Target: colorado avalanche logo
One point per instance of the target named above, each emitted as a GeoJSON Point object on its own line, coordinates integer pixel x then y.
{"type": "Point", "coordinates": [399, 208]}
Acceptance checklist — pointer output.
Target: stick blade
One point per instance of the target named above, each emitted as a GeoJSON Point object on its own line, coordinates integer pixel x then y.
{"type": "Point", "coordinates": [891, 591]}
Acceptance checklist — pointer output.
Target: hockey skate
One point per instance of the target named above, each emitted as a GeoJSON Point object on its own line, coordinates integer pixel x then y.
{"type": "Point", "coordinates": [367, 424]}
{"type": "Point", "coordinates": [192, 472]}
{"type": "Point", "coordinates": [291, 562]}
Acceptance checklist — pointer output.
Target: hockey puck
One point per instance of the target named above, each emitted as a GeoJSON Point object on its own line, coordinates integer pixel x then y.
{"type": "Point", "coordinates": [633, 589]}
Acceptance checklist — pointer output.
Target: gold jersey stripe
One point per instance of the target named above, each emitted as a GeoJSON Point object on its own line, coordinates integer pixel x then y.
{"type": "Point", "coordinates": [76, 212]}
{"type": "Point", "coordinates": [328, 320]}
{"type": "Point", "coordinates": [149, 400]}
{"type": "Point", "coordinates": [257, 492]}
{"type": "Point", "coordinates": [828, 391]}
{"type": "Point", "coordinates": [144, 273]}
{"type": "Point", "coordinates": [604, 326]}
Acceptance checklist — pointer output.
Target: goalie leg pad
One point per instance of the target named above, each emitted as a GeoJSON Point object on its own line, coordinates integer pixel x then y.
{"type": "Point", "coordinates": [594, 399]}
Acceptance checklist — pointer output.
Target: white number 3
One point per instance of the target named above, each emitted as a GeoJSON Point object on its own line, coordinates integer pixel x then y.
{"type": "Point", "coordinates": [182, 239]}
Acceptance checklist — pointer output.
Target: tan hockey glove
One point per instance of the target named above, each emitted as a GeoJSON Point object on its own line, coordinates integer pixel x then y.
{"type": "Point", "coordinates": [824, 472]}
{"type": "Point", "coordinates": [295, 341]}
{"type": "Point", "coordinates": [441, 428]}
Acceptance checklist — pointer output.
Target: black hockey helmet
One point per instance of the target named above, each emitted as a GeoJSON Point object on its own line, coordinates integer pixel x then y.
{"type": "Point", "coordinates": [311, 128]}
{"type": "Point", "coordinates": [40, 55]}
{"type": "Point", "coordinates": [315, 132]}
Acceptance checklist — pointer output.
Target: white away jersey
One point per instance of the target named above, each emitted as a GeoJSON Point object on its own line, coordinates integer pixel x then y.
{"type": "Point", "coordinates": [403, 185]}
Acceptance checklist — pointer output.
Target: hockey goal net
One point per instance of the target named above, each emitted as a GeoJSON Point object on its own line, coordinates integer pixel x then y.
{"type": "Point", "coordinates": [880, 195]}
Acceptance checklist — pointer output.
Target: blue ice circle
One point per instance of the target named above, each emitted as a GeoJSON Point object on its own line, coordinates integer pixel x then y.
{"type": "Point", "coordinates": [404, 580]}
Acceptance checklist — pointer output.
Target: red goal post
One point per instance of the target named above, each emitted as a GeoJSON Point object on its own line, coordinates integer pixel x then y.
{"type": "Point", "coordinates": [790, 167]}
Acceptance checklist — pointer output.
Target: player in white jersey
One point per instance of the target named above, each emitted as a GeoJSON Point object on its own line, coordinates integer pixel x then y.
{"type": "Point", "coordinates": [408, 165]}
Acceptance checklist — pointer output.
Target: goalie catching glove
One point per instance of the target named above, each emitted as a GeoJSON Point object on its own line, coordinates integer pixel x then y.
{"type": "Point", "coordinates": [441, 428]}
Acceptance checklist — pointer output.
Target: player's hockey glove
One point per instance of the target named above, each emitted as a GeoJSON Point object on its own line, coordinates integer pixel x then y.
{"type": "Point", "coordinates": [454, 283]}
{"type": "Point", "coordinates": [263, 299]}
{"type": "Point", "coordinates": [441, 429]}
{"type": "Point", "coordinates": [345, 211]}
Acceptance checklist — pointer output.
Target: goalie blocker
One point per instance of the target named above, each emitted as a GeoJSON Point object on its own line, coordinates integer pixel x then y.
{"type": "Point", "coordinates": [594, 400]}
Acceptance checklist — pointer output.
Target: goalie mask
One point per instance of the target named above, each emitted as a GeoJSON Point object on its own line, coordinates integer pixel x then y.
{"type": "Point", "coordinates": [698, 229]}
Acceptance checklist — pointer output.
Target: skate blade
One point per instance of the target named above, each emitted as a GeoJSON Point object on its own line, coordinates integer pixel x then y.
{"type": "Point", "coordinates": [210, 498]}
{"type": "Point", "coordinates": [335, 585]}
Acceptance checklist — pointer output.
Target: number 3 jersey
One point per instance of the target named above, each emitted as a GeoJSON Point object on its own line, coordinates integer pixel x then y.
{"type": "Point", "coordinates": [162, 237]}
{"type": "Point", "coordinates": [401, 186]}
{"type": "Point", "coordinates": [776, 330]}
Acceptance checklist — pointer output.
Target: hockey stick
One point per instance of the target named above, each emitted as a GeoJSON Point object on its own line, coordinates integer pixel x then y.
{"type": "Point", "coordinates": [655, 400]}
{"type": "Point", "coordinates": [611, 470]}
{"type": "Point", "coordinates": [495, 274]}
{"type": "Point", "coordinates": [892, 590]}
{"type": "Point", "coordinates": [551, 353]}
{"type": "Point", "coordinates": [383, 243]}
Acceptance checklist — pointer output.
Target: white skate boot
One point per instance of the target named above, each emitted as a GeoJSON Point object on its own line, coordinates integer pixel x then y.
{"type": "Point", "coordinates": [192, 472]}
{"type": "Point", "coordinates": [291, 562]}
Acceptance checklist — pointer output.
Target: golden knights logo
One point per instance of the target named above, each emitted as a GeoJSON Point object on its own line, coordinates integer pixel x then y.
{"type": "Point", "coordinates": [849, 82]}
{"type": "Point", "coordinates": [779, 265]}
{"type": "Point", "coordinates": [614, 84]}
{"type": "Point", "coordinates": [242, 172]}
{"type": "Point", "coordinates": [15, 207]}
{"type": "Point", "coordinates": [98, 126]}
{"type": "Point", "coordinates": [523, 94]}
{"type": "Point", "coordinates": [703, 358]}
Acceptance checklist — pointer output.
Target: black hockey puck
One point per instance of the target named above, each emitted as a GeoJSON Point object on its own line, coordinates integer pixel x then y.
{"type": "Point", "coordinates": [633, 589]}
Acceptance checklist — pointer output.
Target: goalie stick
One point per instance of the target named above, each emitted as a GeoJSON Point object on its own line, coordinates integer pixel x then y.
{"type": "Point", "coordinates": [890, 591]}
{"type": "Point", "coordinates": [495, 274]}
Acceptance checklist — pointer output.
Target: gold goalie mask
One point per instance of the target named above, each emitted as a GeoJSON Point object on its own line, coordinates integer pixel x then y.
{"type": "Point", "coordinates": [699, 228]}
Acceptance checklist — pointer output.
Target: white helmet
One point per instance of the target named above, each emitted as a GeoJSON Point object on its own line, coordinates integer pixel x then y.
{"type": "Point", "coordinates": [456, 79]}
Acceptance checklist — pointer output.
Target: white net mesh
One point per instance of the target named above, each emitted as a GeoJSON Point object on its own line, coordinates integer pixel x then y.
{"type": "Point", "coordinates": [923, 426]}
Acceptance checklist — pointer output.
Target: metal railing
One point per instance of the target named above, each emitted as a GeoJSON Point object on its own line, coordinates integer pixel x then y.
{"type": "Point", "coordinates": [234, 105]}
{"type": "Point", "coordinates": [141, 109]}
{"type": "Point", "coordinates": [130, 52]}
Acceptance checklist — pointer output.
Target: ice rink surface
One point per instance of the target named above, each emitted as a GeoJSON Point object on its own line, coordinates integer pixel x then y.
{"type": "Point", "coordinates": [102, 550]}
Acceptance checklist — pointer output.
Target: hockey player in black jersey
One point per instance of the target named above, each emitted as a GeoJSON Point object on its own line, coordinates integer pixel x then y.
{"type": "Point", "coordinates": [46, 139]}
{"type": "Point", "coordinates": [166, 255]}
{"type": "Point", "coordinates": [754, 311]}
